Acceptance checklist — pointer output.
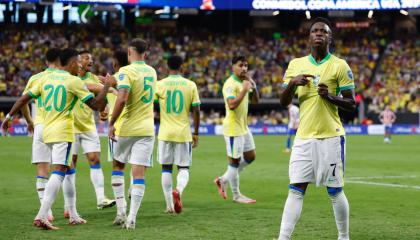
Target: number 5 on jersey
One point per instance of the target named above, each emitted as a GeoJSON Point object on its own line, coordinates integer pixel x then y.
{"type": "Point", "coordinates": [147, 87]}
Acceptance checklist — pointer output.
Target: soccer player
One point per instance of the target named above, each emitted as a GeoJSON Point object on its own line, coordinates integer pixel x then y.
{"type": "Point", "coordinates": [41, 156]}
{"type": "Point", "coordinates": [119, 59]}
{"type": "Point", "coordinates": [237, 90]}
{"type": "Point", "coordinates": [176, 96]}
{"type": "Point", "coordinates": [58, 92]}
{"type": "Point", "coordinates": [387, 118]}
{"type": "Point", "coordinates": [292, 126]}
{"type": "Point", "coordinates": [135, 137]}
{"type": "Point", "coordinates": [319, 148]}
{"type": "Point", "coordinates": [86, 134]}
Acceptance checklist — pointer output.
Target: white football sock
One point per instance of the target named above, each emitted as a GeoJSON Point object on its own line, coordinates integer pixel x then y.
{"type": "Point", "coordinates": [341, 213]}
{"type": "Point", "coordinates": [97, 178]}
{"type": "Point", "coordinates": [50, 193]}
{"type": "Point", "coordinates": [291, 214]}
{"type": "Point", "coordinates": [234, 185]}
{"type": "Point", "coordinates": [243, 164]}
{"type": "Point", "coordinates": [137, 193]}
{"type": "Point", "coordinates": [69, 192]}
{"type": "Point", "coordinates": [167, 188]}
{"type": "Point", "coordinates": [230, 173]}
{"type": "Point", "coordinates": [117, 182]}
{"type": "Point", "coordinates": [182, 179]}
{"type": "Point", "coordinates": [41, 182]}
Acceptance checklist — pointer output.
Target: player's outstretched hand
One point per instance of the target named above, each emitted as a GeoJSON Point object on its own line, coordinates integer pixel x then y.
{"type": "Point", "coordinates": [323, 90]}
{"type": "Point", "coordinates": [5, 126]}
{"type": "Point", "coordinates": [195, 141]}
{"type": "Point", "coordinates": [111, 133]}
{"type": "Point", "coordinates": [301, 80]}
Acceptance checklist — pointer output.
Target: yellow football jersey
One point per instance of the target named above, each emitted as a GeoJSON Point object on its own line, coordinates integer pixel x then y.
{"type": "Point", "coordinates": [318, 117]}
{"type": "Point", "coordinates": [59, 92]}
{"type": "Point", "coordinates": [236, 121]}
{"type": "Point", "coordinates": [137, 116]}
{"type": "Point", "coordinates": [176, 95]}
{"type": "Point", "coordinates": [36, 79]}
{"type": "Point", "coordinates": [84, 120]}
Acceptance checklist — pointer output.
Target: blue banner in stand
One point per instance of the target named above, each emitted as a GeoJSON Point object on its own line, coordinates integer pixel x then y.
{"type": "Point", "coordinates": [209, 130]}
{"type": "Point", "coordinates": [260, 4]}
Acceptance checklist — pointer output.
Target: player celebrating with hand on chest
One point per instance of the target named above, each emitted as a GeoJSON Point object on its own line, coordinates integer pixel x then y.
{"type": "Point", "coordinates": [237, 90]}
{"type": "Point", "coordinates": [318, 152]}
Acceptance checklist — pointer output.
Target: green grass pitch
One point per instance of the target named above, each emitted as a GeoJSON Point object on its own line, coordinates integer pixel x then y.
{"type": "Point", "coordinates": [389, 210]}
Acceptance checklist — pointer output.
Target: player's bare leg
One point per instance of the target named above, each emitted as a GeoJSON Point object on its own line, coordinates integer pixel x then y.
{"type": "Point", "coordinates": [137, 193]}
{"type": "Point", "coordinates": [42, 173]}
{"type": "Point", "coordinates": [292, 209]}
{"type": "Point", "coordinates": [167, 187]}
{"type": "Point", "coordinates": [97, 179]}
{"type": "Point", "coordinates": [117, 182]}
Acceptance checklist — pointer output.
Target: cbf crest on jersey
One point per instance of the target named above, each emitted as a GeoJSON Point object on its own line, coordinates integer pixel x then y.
{"type": "Point", "coordinates": [316, 80]}
{"type": "Point", "coordinates": [229, 90]}
{"type": "Point", "coordinates": [350, 74]}
{"type": "Point", "coordinates": [121, 77]}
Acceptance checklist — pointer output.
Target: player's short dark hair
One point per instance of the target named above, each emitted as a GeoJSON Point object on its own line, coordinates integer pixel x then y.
{"type": "Point", "coordinates": [84, 51]}
{"type": "Point", "coordinates": [175, 62]}
{"type": "Point", "coordinates": [139, 45]}
{"type": "Point", "coordinates": [321, 20]}
{"type": "Point", "coordinates": [121, 57]}
{"type": "Point", "coordinates": [240, 58]}
{"type": "Point", "coordinates": [67, 54]}
{"type": "Point", "coordinates": [52, 54]}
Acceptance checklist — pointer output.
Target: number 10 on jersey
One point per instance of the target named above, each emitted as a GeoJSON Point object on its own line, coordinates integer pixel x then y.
{"type": "Point", "coordinates": [171, 99]}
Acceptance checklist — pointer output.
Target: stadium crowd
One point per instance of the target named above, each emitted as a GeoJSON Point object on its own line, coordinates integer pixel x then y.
{"type": "Point", "coordinates": [21, 55]}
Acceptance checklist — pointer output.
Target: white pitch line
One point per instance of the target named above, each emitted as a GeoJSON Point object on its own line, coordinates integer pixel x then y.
{"type": "Point", "coordinates": [385, 184]}
{"type": "Point", "coordinates": [381, 177]}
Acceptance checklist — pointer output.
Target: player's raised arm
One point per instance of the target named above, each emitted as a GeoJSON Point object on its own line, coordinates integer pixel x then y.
{"type": "Point", "coordinates": [234, 102]}
{"type": "Point", "coordinates": [255, 96]}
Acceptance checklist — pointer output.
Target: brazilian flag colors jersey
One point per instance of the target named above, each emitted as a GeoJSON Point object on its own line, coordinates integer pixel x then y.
{"type": "Point", "coordinates": [318, 117]}
{"type": "Point", "coordinates": [176, 95]}
{"type": "Point", "coordinates": [59, 91]}
{"type": "Point", "coordinates": [236, 120]}
{"type": "Point", "coordinates": [84, 121]}
{"type": "Point", "coordinates": [137, 117]}
{"type": "Point", "coordinates": [36, 79]}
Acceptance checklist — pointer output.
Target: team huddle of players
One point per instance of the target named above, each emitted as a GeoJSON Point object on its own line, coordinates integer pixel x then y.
{"type": "Point", "coordinates": [67, 94]}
